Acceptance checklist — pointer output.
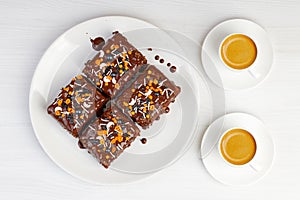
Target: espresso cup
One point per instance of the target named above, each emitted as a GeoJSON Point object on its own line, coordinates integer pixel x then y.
{"type": "Point", "coordinates": [238, 147]}
{"type": "Point", "coordinates": [238, 52]}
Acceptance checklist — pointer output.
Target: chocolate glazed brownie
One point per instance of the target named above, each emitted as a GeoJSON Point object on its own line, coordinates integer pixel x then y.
{"type": "Point", "coordinates": [107, 136]}
{"type": "Point", "coordinates": [148, 97]}
{"type": "Point", "coordinates": [76, 105]}
{"type": "Point", "coordinates": [114, 65]}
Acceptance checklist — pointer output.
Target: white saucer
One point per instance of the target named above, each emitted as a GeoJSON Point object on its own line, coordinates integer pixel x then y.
{"type": "Point", "coordinates": [231, 175]}
{"type": "Point", "coordinates": [235, 80]}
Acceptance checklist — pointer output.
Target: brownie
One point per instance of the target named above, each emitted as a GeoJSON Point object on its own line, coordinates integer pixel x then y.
{"type": "Point", "coordinates": [76, 105]}
{"type": "Point", "coordinates": [107, 136]}
{"type": "Point", "coordinates": [115, 64]}
{"type": "Point", "coordinates": [148, 97]}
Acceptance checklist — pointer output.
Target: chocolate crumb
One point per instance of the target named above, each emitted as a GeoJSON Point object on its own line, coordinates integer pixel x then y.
{"type": "Point", "coordinates": [167, 110]}
{"type": "Point", "coordinates": [169, 64]}
{"type": "Point", "coordinates": [149, 49]}
{"type": "Point", "coordinates": [161, 60]}
{"type": "Point", "coordinates": [115, 32]}
{"type": "Point", "coordinates": [97, 43]}
{"type": "Point", "coordinates": [173, 69]}
{"type": "Point", "coordinates": [80, 145]}
{"type": "Point", "coordinates": [156, 57]}
{"type": "Point", "coordinates": [144, 140]}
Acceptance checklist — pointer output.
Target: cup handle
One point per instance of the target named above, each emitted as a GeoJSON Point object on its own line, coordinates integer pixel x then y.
{"type": "Point", "coordinates": [254, 73]}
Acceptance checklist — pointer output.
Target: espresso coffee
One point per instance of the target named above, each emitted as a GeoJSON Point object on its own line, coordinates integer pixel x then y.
{"type": "Point", "coordinates": [238, 146]}
{"type": "Point", "coordinates": [238, 51]}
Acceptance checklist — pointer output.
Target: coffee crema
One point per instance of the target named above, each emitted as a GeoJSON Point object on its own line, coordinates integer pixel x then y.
{"type": "Point", "coordinates": [238, 51]}
{"type": "Point", "coordinates": [238, 146]}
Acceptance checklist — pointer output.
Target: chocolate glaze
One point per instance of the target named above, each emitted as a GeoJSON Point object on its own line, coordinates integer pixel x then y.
{"type": "Point", "coordinates": [167, 109]}
{"type": "Point", "coordinates": [173, 69]}
{"type": "Point", "coordinates": [107, 136]}
{"type": "Point", "coordinates": [80, 145]}
{"type": "Point", "coordinates": [147, 98]}
{"type": "Point", "coordinates": [115, 64]}
{"type": "Point", "coordinates": [76, 105]}
{"type": "Point", "coordinates": [97, 43]}
{"type": "Point", "coordinates": [144, 140]}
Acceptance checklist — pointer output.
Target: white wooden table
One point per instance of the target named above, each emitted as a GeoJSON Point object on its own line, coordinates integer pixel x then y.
{"type": "Point", "coordinates": [27, 28]}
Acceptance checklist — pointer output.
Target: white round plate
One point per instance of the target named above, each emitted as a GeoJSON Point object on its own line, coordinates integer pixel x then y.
{"type": "Point", "coordinates": [242, 175]}
{"type": "Point", "coordinates": [63, 60]}
{"type": "Point", "coordinates": [168, 138]}
{"type": "Point", "coordinates": [230, 79]}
